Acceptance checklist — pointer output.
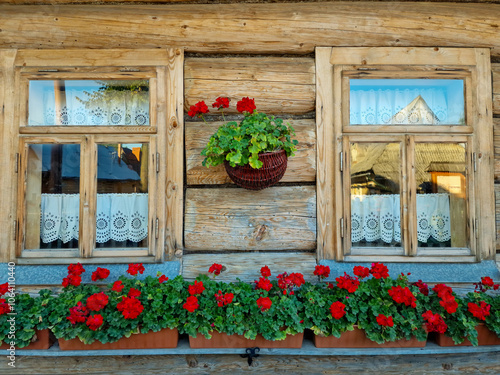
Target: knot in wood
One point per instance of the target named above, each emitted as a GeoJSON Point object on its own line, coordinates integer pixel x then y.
{"type": "Point", "coordinates": [261, 232]}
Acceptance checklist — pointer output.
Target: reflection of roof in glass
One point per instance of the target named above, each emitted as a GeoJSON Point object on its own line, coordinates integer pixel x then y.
{"type": "Point", "coordinates": [108, 166]}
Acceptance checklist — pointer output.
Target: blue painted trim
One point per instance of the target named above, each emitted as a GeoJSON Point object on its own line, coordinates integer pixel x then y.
{"type": "Point", "coordinates": [307, 349]}
{"type": "Point", "coordinates": [428, 272]}
{"type": "Point", "coordinates": [53, 274]}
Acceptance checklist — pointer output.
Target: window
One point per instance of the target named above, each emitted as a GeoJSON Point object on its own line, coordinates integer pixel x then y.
{"type": "Point", "coordinates": [89, 162]}
{"type": "Point", "coordinates": [411, 155]}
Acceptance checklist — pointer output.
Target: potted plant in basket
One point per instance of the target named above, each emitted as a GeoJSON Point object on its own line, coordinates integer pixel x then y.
{"type": "Point", "coordinates": [128, 314]}
{"type": "Point", "coordinates": [239, 314]}
{"type": "Point", "coordinates": [253, 151]}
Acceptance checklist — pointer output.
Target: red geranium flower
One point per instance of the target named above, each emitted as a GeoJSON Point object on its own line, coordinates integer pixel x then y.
{"type": "Point", "coordinates": [162, 278]}
{"type": "Point", "coordinates": [480, 312]}
{"type": "Point", "coordinates": [361, 271]}
{"type": "Point", "coordinates": [4, 306]}
{"type": "Point", "coordinates": [78, 313]}
{"type": "Point", "coordinates": [191, 304]}
{"type": "Point", "coordinates": [118, 286]}
{"type": "Point", "coordinates": [434, 322]}
{"type": "Point", "coordinates": [71, 280]}
{"type": "Point", "coordinates": [442, 290]}
{"type": "Point", "coordinates": [337, 309]}
{"type": "Point", "coordinates": [264, 303]}
{"type": "Point", "coordinates": [223, 299]}
{"type": "Point", "coordinates": [216, 269]}
{"type": "Point", "coordinates": [383, 320]}
{"type": "Point", "coordinates": [379, 271]}
{"type": "Point", "coordinates": [97, 301]}
{"type": "Point", "coordinates": [265, 271]}
{"type": "Point", "coordinates": [487, 281]}
{"type": "Point", "coordinates": [424, 289]}
{"type": "Point", "coordinates": [100, 274]}
{"type": "Point", "coordinates": [221, 102]}
{"type": "Point", "coordinates": [133, 293]}
{"type": "Point", "coordinates": [403, 295]}
{"type": "Point", "coordinates": [130, 307]}
{"type": "Point", "coordinates": [322, 271]}
{"type": "Point", "coordinates": [94, 321]}
{"type": "Point", "coordinates": [246, 105]}
{"type": "Point", "coordinates": [196, 288]}
{"type": "Point", "coordinates": [347, 282]}
{"type": "Point", "coordinates": [4, 288]}
{"type": "Point", "coordinates": [264, 284]}
{"type": "Point", "coordinates": [198, 109]}
{"type": "Point", "coordinates": [449, 303]}
{"type": "Point", "coordinates": [75, 269]}
{"type": "Point", "coordinates": [133, 269]}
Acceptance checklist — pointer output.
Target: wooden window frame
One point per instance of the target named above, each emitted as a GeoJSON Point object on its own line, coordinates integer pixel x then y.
{"type": "Point", "coordinates": [164, 69]}
{"type": "Point", "coordinates": [334, 134]}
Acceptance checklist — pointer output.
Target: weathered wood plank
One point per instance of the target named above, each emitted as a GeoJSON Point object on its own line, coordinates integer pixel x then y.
{"type": "Point", "coordinates": [277, 218]}
{"type": "Point", "coordinates": [495, 71]}
{"type": "Point", "coordinates": [251, 28]}
{"type": "Point", "coordinates": [279, 85]}
{"type": "Point", "coordinates": [247, 266]}
{"type": "Point", "coordinates": [497, 215]}
{"type": "Point", "coordinates": [453, 364]}
{"type": "Point", "coordinates": [174, 153]}
{"type": "Point", "coordinates": [325, 156]}
{"type": "Point", "coordinates": [301, 167]}
{"type": "Point", "coordinates": [496, 142]}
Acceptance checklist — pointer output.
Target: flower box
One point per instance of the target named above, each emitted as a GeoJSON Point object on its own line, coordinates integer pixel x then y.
{"type": "Point", "coordinates": [223, 340]}
{"type": "Point", "coordinates": [41, 341]}
{"type": "Point", "coordinates": [358, 339]}
{"type": "Point", "coordinates": [484, 337]}
{"type": "Point", "coordinates": [166, 338]}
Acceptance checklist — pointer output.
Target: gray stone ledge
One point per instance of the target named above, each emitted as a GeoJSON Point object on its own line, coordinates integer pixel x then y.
{"type": "Point", "coordinates": [53, 274]}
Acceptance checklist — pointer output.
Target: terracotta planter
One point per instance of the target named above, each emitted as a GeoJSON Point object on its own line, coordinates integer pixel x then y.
{"type": "Point", "coordinates": [484, 337]}
{"type": "Point", "coordinates": [273, 169]}
{"type": "Point", "coordinates": [358, 339]}
{"type": "Point", "coordinates": [43, 341]}
{"type": "Point", "coordinates": [223, 340]}
{"type": "Point", "coordinates": [166, 338]}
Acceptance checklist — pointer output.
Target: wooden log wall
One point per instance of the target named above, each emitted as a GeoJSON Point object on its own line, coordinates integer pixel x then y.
{"type": "Point", "coordinates": [495, 70]}
{"type": "Point", "coordinates": [221, 217]}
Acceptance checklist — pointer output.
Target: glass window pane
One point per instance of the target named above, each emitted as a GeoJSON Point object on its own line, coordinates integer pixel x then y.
{"type": "Point", "coordinates": [441, 195]}
{"type": "Point", "coordinates": [407, 102]}
{"type": "Point", "coordinates": [88, 102]}
{"type": "Point", "coordinates": [122, 195]}
{"type": "Point", "coordinates": [52, 196]}
{"type": "Point", "coordinates": [375, 194]}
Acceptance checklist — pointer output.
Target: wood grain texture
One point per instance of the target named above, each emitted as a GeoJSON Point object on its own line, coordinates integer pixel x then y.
{"type": "Point", "coordinates": [247, 266]}
{"type": "Point", "coordinates": [276, 218]}
{"type": "Point", "coordinates": [496, 142]}
{"type": "Point", "coordinates": [279, 85]}
{"type": "Point", "coordinates": [495, 71]}
{"type": "Point", "coordinates": [301, 167]}
{"type": "Point", "coordinates": [251, 28]}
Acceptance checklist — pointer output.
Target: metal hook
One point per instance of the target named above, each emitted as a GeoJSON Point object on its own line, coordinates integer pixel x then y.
{"type": "Point", "coordinates": [251, 354]}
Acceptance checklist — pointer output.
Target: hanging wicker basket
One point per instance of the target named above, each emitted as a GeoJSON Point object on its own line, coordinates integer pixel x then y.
{"type": "Point", "coordinates": [272, 171]}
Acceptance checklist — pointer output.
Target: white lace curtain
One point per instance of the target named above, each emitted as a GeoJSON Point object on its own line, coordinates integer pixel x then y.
{"type": "Point", "coordinates": [119, 217]}
{"type": "Point", "coordinates": [377, 217]}
{"type": "Point", "coordinates": [403, 106]}
{"type": "Point", "coordinates": [118, 108]}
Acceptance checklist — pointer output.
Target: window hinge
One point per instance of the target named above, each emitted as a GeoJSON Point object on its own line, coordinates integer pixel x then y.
{"type": "Point", "coordinates": [16, 166]}
{"type": "Point", "coordinates": [157, 228]}
{"type": "Point", "coordinates": [476, 229]}
{"type": "Point", "coordinates": [342, 227]}
{"type": "Point", "coordinates": [157, 162]}
{"type": "Point", "coordinates": [341, 161]}
{"type": "Point", "coordinates": [474, 161]}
